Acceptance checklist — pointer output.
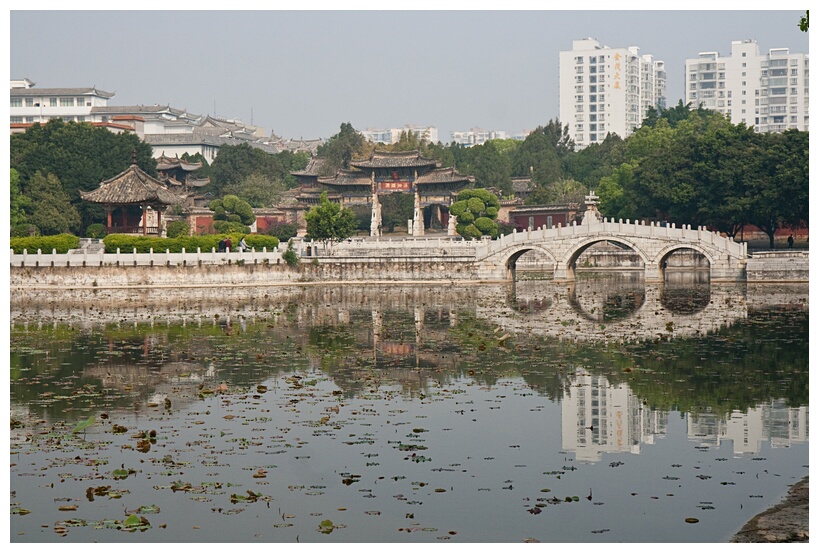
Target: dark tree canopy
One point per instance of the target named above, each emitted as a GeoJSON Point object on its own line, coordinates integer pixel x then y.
{"type": "Point", "coordinates": [80, 156]}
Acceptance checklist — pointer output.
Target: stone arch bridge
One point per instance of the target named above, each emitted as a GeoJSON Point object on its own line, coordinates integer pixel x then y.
{"type": "Point", "coordinates": [653, 243]}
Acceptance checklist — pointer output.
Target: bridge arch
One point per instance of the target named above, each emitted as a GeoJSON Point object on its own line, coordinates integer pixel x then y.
{"type": "Point", "coordinates": [516, 253]}
{"type": "Point", "coordinates": [566, 266]}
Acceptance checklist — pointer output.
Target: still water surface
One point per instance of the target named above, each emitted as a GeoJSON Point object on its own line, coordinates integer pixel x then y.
{"type": "Point", "coordinates": [604, 411]}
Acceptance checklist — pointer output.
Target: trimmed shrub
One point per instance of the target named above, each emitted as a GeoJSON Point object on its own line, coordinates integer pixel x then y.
{"type": "Point", "coordinates": [290, 257]}
{"type": "Point", "coordinates": [230, 227]}
{"type": "Point", "coordinates": [60, 242]}
{"type": "Point", "coordinates": [258, 241]}
{"type": "Point", "coordinates": [97, 230]}
{"type": "Point", "coordinates": [176, 229]}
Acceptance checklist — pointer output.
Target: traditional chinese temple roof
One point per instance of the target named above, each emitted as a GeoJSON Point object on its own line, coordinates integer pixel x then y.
{"type": "Point", "coordinates": [387, 160]}
{"type": "Point", "coordinates": [164, 163]}
{"type": "Point", "coordinates": [132, 186]}
{"type": "Point", "coordinates": [347, 178]}
{"type": "Point", "coordinates": [313, 169]}
{"type": "Point", "coordinates": [442, 176]}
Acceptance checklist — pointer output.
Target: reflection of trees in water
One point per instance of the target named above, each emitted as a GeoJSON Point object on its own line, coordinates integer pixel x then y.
{"type": "Point", "coordinates": [414, 339]}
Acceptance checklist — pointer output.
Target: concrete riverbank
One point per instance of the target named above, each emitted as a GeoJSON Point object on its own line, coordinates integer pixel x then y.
{"type": "Point", "coordinates": [786, 522]}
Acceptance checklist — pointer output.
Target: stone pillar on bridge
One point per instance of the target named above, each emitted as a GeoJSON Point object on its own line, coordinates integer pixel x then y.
{"type": "Point", "coordinates": [375, 220]}
{"type": "Point", "coordinates": [418, 216]}
{"type": "Point", "coordinates": [450, 229]}
{"type": "Point", "coordinates": [591, 215]}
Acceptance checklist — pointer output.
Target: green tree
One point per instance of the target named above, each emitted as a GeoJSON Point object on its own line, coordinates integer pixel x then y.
{"type": "Point", "coordinates": [341, 148]}
{"type": "Point", "coordinates": [477, 211]}
{"type": "Point", "coordinates": [329, 222]}
{"type": "Point", "coordinates": [80, 155]}
{"type": "Point", "coordinates": [804, 22]}
{"type": "Point", "coordinates": [778, 195]}
{"type": "Point", "coordinates": [50, 208]}
{"type": "Point", "coordinates": [257, 189]}
{"type": "Point", "coordinates": [235, 164]}
{"type": "Point", "coordinates": [491, 168]}
{"type": "Point", "coordinates": [561, 191]}
{"type": "Point", "coordinates": [18, 202]}
{"type": "Point", "coordinates": [396, 209]}
{"type": "Point", "coordinates": [233, 210]}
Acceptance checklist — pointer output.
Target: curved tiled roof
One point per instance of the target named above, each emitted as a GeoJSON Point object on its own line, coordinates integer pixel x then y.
{"type": "Point", "coordinates": [443, 175]}
{"type": "Point", "coordinates": [385, 160]}
{"type": "Point", "coordinates": [313, 169]}
{"type": "Point", "coordinates": [347, 178]}
{"type": "Point", "coordinates": [132, 186]}
{"type": "Point", "coordinates": [163, 163]}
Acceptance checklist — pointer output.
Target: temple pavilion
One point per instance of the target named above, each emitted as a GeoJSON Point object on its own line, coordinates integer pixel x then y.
{"type": "Point", "coordinates": [433, 187]}
{"type": "Point", "coordinates": [176, 172]}
{"type": "Point", "coordinates": [133, 202]}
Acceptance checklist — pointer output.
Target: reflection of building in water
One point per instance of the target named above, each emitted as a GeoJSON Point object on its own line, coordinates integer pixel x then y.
{"type": "Point", "coordinates": [774, 422]}
{"type": "Point", "coordinates": [602, 418]}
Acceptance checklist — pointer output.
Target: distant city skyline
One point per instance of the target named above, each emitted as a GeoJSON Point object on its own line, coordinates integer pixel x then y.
{"type": "Point", "coordinates": [301, 74]}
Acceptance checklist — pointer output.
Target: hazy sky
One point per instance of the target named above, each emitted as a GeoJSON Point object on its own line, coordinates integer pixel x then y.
{"type": "Point", "coordinates": [303, 73]}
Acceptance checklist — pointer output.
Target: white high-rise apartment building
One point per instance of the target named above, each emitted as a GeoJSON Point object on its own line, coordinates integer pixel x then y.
{"type": "Point", "coordinates": [392, 135]}
{"type": "Point", "coordinates": [768, 92]}
{"type": "Point", "coordinates": [607, 90]}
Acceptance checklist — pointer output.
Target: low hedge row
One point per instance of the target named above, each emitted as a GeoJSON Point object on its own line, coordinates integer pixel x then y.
{"type": "Point", "coordinates": [60, 242]}
{"type": "Point", "coordinates": [143, 244]}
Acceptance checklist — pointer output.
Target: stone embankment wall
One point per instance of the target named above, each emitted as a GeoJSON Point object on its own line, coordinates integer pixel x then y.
{"type": "Point", "coordinates": [778, 266]}
{"type": "Point", "coordinates": [237, 275]}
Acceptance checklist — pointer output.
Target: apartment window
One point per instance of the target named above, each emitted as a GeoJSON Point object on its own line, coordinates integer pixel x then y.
{"type": "Point", "coordinates": [80, 101]}
{"type": "Point", "coordinates": [602, 108]}
{"type": "Point", "coordinates": [602, 78]}
{"type": "Point", "coordinates": [578, 128]}
{"type": "Point", "coordinates": [794, 80]}
{"type": "Point", "coordinates": [794, 91]}
{"type": "Point", "coordinates": [592, 88]}
{"type": "Point", "coordinates": [794, 71]}
{"type": "Point", "coordinates": [52, 102]}
{"type": "Point", "coordinates": [601, 117]}
{"type": "Point", "coordinates": [592, 117]}
{"type": "Point", "coordinates": [578, 69]}
{"type": "Point", "coordinates": [743, 55]}
{"type": "Point", "coordinates": [29, 119]}
{"type": "Point", "coordinates": [578, 108]}
{"type": "Point", "coordinates": [579, 138]}
{"type": "Point", "coordinates": [593, 137]}
{"type": "Point", "coordinates": [593, 98]}
{"type": "Point", "coordinates": [16, 102]}
{"type": "Point", "coordinates": [593, 127]}
{"type": "Point", "coordinates": [592, 59]}
{"type": "Point", "coordinates": [66, 102]}
{"type": "Point", "coordinates": [578, 79]}
{"type": "Point", "coordinates": [80, 118]}
{"type": "Point", "coordinates": [15, 119]}
{"type": "Point", "coordinates": [578, 99]}
{"type": "Point", "coordinates": [793, 119]}
{"type": "Point", "coordinates": [743, 73]}
{"type": "Point", "coordinates": [602, 126]}
{"type": "Point", "coordinates": [692, 86]}
{"type": "Point", "coordinates": [692, 77]}
{"type": "Point", "coordinates": [743, 63]}
{"type": "Point", "coordinates": [578, 60]}
{"type": "Point", "coordinates": [602, 97]}
{"type": "Point", "coordinates": [592, 108]}
{"type": "Point", "coordinates": [593, 69]}
{"type": "Point", "coordinates": [579, 88]}
{"type": "Point", "coordinates": [29, 102]}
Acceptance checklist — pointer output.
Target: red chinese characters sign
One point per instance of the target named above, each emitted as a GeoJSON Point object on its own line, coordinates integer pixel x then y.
{"type": "Point", "coordinates": [394, 186]}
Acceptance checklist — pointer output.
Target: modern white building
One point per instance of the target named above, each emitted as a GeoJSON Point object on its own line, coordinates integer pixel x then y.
{"type": "Point", "coordinates": [768, 92]}
{"type": "Point", "coordinates": [607, 90]}
{"type": "Point", "coordinates": [37, 105]}
{"type": "Point", "coordinates": [475, 136]}
{"type": "Point", "coordinates": [171, 132]}
{"type": "Point", "coordinates": [392, 135]}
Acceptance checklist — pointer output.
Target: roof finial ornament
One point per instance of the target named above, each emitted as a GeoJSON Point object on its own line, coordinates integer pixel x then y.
{"type": "Point", "coordinates": [133, 157]}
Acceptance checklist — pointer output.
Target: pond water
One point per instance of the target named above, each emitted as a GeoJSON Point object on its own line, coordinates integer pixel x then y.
{"type": "Point", "coordinates": [603, 411]}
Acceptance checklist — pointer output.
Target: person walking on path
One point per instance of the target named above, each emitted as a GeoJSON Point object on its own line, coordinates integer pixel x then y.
{"type": "Point", "coordinates": [228, 244]}
{"type": "Point", "coordinates": [243, 245]}
{"type": "Point", "coordinates": [790, 241]}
